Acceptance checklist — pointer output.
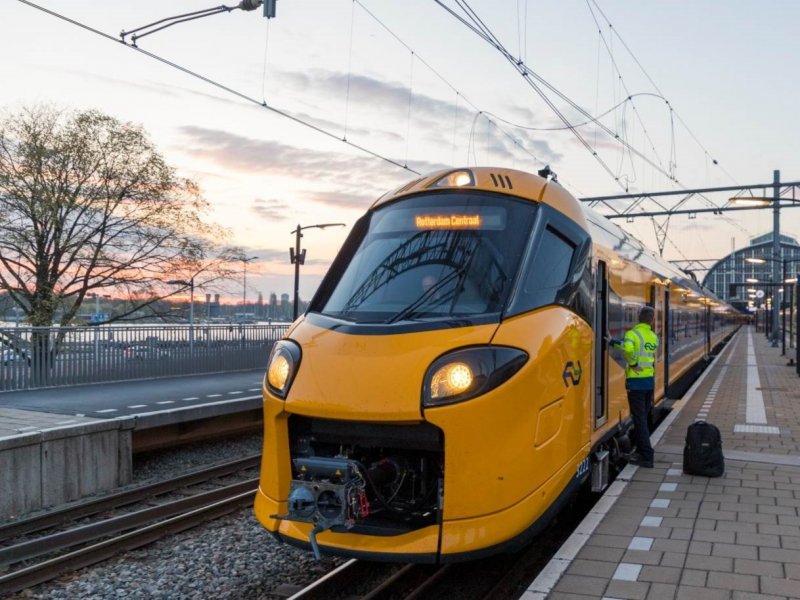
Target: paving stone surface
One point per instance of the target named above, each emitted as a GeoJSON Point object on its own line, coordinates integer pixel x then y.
{"type": "Point", "coordinates": [673, 536]}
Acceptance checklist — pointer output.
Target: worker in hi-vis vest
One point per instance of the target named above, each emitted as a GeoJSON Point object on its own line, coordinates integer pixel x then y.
{"type": "Point", "coordinates": [639, 349]}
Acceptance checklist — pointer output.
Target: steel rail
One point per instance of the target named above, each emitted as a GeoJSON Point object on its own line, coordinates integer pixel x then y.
{"type": "Point", "coordinates": [332, 581]}
{"type": "Point", "coordinates": [426, 584]}
{"type": "Point", "coordinates": [50, 569]}
{"type": "Point", "coordinates": [88, 533]}
{"type": "Point", "coordinates": [119, 499]}
{"type": "Point", "coordinates": [410, 581]}
{"type": "Point", "coordinates": [383, 589]}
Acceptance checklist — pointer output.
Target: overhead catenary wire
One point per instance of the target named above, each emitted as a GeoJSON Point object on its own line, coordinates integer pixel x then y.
{"type": "Point", "coordinates": [264, 104]}
{"type": "Point", "coordinates": [221, 86]}
{"type": "Point", "coordinates": [349, 70]}
{"type": "Point", "coordinates": [445, 81]}
{"type": "Point", "coordinates": [480, 29]}
{"type": "Point", "coordinates": [627, 91]}
{"type": "Point", "coordinates": [264, 72]}
{"type": "Point", "coordinates": [655, 86]}
{"type": "Point", "coordinates": [672, 112]}
{"type": "Point", "coordinates": [590, 121]}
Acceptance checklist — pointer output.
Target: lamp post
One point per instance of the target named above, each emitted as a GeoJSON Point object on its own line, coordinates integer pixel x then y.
{"type": "Point", "coordinates": [298, 257]}
{"type": "Point", "coordinates": [777, 305]}
{"type": "Point", "coordinates": [244, 284]}
{"type": "Point", "coordinates": [190, 285]}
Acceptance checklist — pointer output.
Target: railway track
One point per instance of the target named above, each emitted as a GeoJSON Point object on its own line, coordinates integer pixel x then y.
{"type": "Point", "coordinates": [497, 577]}
{"type": "Point", "coordinates": [373, 581]}
{"type": "Point", "coordinates": [137, 517]}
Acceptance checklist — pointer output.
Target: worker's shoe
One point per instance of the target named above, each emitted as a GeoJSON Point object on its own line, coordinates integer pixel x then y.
{"type": "Point", "coordinates": [636, 459]}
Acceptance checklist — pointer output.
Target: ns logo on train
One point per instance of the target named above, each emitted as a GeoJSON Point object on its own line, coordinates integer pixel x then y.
{"type": "Point", "coordinates": [572, 373]}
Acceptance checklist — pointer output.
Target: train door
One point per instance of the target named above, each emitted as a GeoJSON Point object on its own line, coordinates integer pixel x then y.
{"type": "Point", "coordinates": [665, 342]}
{"type": "Point", "coordinates": [708, 328]}
{"type": "Point", "coordinates": [657, 302]}
{"type": "Point", "coordinates": [600, 345]}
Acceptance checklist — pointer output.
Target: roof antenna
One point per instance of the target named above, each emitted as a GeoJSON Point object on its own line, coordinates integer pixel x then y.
{"type": "Point", "coordinates": [548, 174]}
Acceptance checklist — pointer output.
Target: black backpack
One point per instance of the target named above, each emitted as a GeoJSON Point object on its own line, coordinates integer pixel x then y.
{"type": "Point", "coordinates": [702, 454]}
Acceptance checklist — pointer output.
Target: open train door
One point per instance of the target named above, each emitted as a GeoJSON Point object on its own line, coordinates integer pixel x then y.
{"type": "Point", "coordinates": [658, 294]}
{"type": "Point", "coordinates": [600, 345]}
{"type": "Point", "coordinates": [665, 340]}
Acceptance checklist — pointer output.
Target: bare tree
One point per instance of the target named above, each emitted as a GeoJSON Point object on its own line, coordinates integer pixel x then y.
{"type": "Point", "coordinates": [89, 206]}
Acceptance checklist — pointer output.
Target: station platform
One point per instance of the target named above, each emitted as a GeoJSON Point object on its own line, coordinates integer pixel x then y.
{"type": "Point", "coordinates": [659, 534]}
{"type": "Point", "coordinates": [62, 444]}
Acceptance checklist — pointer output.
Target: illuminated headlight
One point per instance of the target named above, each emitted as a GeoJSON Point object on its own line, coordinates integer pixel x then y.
{"type": "Point", "coordinates": [470, 372]}
{"type": "Point", "coordinates": [450, 380]}
{"type": "Point", "coordinates": [282, 367]}
{"type": "Point", "coordinates": [458, 178]}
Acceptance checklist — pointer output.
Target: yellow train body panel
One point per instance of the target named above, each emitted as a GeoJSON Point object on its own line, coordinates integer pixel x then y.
{"type": "Point", "coordinates": [364, 377]}
{"type": "Point", "coordinates": [450, 386]}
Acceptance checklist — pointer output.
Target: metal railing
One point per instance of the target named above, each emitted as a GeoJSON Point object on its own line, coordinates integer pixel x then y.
{"type": "Point", "coordinates": [39, 357]}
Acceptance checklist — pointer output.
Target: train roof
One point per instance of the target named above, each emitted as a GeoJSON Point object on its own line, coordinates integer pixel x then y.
{"type": "Point", "coordinates": [607, 233]}
{"type": "Point", "coordinates": [533, 187]}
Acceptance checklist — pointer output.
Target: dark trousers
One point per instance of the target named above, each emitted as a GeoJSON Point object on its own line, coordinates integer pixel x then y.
{"type": "Point", "coordinates": [640, 402]}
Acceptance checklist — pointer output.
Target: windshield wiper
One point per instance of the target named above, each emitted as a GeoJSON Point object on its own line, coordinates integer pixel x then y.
{"type": "Point", "coordinates": [413, 309]}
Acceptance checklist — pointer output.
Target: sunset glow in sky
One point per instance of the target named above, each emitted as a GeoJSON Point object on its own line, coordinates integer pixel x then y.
{"type": "Point", "coordinates": [408, 81]}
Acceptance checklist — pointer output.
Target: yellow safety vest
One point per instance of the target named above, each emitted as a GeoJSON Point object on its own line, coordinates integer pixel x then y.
{"type": "Point", "coordinates": [639, 348]}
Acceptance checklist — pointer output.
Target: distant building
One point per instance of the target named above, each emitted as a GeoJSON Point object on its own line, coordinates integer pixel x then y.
{"type": "Point", "coordinates": [273, 306]}
{"type": "Point", "coordinates": [733, 269]}
{"type": "Point", "coordinates": [286, 308]}
{"type": "Point", "coordinates": [212, 309]}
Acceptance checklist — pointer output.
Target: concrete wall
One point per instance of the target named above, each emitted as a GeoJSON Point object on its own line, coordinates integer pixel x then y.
{"type": "Point", "coordinates": [53, 466]}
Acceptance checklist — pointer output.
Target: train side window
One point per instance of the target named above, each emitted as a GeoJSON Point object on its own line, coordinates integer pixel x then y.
{"type": "Point", "coordinates": [548, 272]}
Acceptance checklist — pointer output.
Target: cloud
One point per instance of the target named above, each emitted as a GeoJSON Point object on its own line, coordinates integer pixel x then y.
{"type": "Point", "coordinates": [270, 209]}
{"type": "Point", "coordinates": [382, 96]}
{"type": "Point", "coordinates": [342, 199]}
{"type": "Point", "coordinates": [350, 181]}
{"type": "Point", "coordinates": [431, 116]}
{"type": "Point", "coordinates": [250, 155]}
{"type": "Point", "coordinates": [267, 255]}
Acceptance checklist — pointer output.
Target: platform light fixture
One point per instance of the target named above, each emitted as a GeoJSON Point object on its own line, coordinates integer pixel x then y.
{"type": "Point", "coordinates": [750, 201]}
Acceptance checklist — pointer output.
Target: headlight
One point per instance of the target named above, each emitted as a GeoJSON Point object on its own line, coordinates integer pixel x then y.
{"type": "Point", "coordinates": [460, 178]}
{"type": "Point", "coordinates": [450, 380]}
{"type": "Point", "coordinates": [282, 367]}
{"type": "Point", "coordinates": [470, 372]}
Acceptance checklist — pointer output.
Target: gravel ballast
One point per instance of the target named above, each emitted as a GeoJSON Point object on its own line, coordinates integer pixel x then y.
{"type": "Point", "coordinates": [232, 557]}
{"type": "Point", "coordinates": [164, 464]}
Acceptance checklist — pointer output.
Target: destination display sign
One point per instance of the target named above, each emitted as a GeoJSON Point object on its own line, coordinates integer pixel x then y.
{"type": "Point", "coordinates": [448, 221]}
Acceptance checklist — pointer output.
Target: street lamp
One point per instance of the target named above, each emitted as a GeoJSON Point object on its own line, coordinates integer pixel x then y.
{"type": "Point", "coordinates": [190, 285]}
{"type": "Point", "coordinates": [760, 260]}
{"type": "Point", "coordinates": [244, 284]}
{"type": "Point", "coordinates": [298, 257]}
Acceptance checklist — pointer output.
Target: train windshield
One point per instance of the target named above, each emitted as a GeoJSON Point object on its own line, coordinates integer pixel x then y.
{"type": "Point", "coordinates": [436, 256]}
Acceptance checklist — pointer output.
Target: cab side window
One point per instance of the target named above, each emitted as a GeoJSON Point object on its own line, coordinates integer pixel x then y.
{"type": "Point", "coordinates": [547, 273]}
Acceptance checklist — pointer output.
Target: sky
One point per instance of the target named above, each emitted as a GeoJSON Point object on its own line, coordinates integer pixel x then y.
{"type": "Point", "coordinates": [410, 83]}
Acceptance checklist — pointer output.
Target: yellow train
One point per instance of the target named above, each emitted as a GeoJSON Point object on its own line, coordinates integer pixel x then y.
{"type": "Point", "coordinates": [450, 385]}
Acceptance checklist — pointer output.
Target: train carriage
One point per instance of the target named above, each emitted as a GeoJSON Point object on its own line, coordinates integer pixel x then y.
{"type": "Point", "coordinates": [450, 385]}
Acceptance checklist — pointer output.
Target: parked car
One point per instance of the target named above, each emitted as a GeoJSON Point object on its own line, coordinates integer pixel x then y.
{"type": "Point", "coordinates": [144, 352]}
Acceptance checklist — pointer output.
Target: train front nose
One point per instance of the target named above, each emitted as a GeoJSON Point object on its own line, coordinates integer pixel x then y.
{"type": "Point", "coordinates": [348, 454]}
